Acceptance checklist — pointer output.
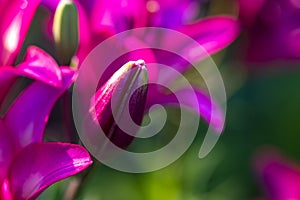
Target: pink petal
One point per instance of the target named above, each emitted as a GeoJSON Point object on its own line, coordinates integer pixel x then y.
{"type": "Point", "coordinates": [144, 52]}
{"type": "Point", "coordinates": [201, 105]}
{"type": "Point", "coordinates": [28, 115]}
{"type": "Point", "coordinates": [3, 5]}
{"type": "Point", "coordinates": [85, 34]}
{"type": "Point", "coordinates": [107, 17]}
{"type": "Point", "coordinates": [280, 176]}
{"type": "Point", "coordinates": [50, 4]}
{"type": "Point", "coordinates": [5, 192]}
{"type": "Point", "coordinates": [213, 33]}
{"type": "Point", "coordinates": [41, 164]}
{"type": "Point", "coordinates": [40, 66]}
{"type": "Point", "coordinates": [249, 10]}
{"type": "Point", "coordinates": [172, 13]}
{"type": "Point", "coordinates": [8, 76]}
{"type": "Point", "coordinates": [6, 151]}
{"type": "Point", "coordinates": [14, 24]}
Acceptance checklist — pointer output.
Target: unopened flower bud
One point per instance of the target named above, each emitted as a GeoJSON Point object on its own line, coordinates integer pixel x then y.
{"type": "Point", "coordinates": [65, 30]}
{"type": "Point", "coordinates": [125, 91]}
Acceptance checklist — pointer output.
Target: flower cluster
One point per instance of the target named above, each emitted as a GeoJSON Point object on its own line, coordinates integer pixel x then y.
{"type": "Point", "coordinates": [28, 165]}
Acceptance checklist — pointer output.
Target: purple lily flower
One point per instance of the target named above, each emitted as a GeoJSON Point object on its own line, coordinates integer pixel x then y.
{"type": "Point", "coordinates": [27, 164]}
{"type": "Point", "coordinates": [106, 19]}
{"type": "Point", "coordinates": [279, 176]}
{"type": "Point", "coordinates": [16, 16]}
{"type": "Point", "coordinates": [273, 29]}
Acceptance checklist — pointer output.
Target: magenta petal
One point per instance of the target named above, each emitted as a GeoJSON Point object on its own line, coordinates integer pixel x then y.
{"type": "Point", "coordinates": [3, 5]}
{"type": "Point", "coordinates": [107, 17]}
{"type": "Point", "coordinates": [40, 66]}
{"type": "Point", "coordinates": [28, 115]}
{"type": "Point", "coordinates": [84, 33]}
{"type": "Point", "coordinates": [14, 24]}
{"type": "Point", "coordinates": [201, 105]}
{"type": "Point", "coordinates": [131, 43]}
{"type": "Point", "coordinates": [102, 17]}
{"type": "Point", "coordinates": [8, 76]}
{"type": "Point", "coordinates": [213, 33]}
{"type": "Point", "coordinates": [172, 13]}
{"type": "Point", "coordinates": [41, 164]}
{"type": "Point", "coordinates": [50, 4]}
{"type": "Point", "coordinates": [6, 151]}
{"type": "Point", "coordinates": [280, 177]}
{"type": "Point", "coordinates": [249, 11]}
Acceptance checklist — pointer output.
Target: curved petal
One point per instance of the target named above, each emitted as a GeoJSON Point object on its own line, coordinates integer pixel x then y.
{"type": "Point", "coordinates": [280, 177]}
{"type": "Point", "coordinates": [37, 65]}
{"type": "Point", "coordinates": [14, 24]}
{"type": "Point", "coordinates": [27, 116]}
{"type": "Point", "coordinates": [40, 66]}
{"type": "Point", "coordinates": [84, 46]}
{"type": "Point", "coordinates": [41, 164]}
{"type": "Point", "coordinates": [202, 105]}
{"type": "Point", "coordinates": [213, 33]}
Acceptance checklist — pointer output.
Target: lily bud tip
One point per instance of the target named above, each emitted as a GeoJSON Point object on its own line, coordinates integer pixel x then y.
{"type": "Point", "coordinates": [140, 63]}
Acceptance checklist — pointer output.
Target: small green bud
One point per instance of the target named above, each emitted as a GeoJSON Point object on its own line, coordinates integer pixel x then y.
{"type": "Point", "coordinates": [65, 30]}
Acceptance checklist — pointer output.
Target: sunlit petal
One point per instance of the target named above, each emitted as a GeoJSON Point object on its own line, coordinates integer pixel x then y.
{"type": "Point", "coordinates": [15, 21]}
{"type": "Point", "coordinates": [27, 117]}
{"type": "Point", "coordinates": [41, 164]}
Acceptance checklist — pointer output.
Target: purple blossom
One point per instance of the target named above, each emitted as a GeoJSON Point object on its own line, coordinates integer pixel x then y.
{"type": "Point", "coordinates": [279, 176]}
{"type": "Point", "coordinates": [273, 29]}
{"type": "Point", "coordinates": [27, 164]}
{"type": "Point", "coordinates": [105, 19]}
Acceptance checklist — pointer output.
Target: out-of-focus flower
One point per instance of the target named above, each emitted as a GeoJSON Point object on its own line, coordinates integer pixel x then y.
{"type": "Point", "coordinates": [27, 164]}
{"type": "Point", "coordinates": [108, 18]}
{"type": "Point", "coordinates": [16, 16]}
{"type": "Point", "coordinates": [171, 14]}
{"type": "Point", "coordinates": [273, 29]}
{"type": "Point", "coordinates": [279, 176]}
